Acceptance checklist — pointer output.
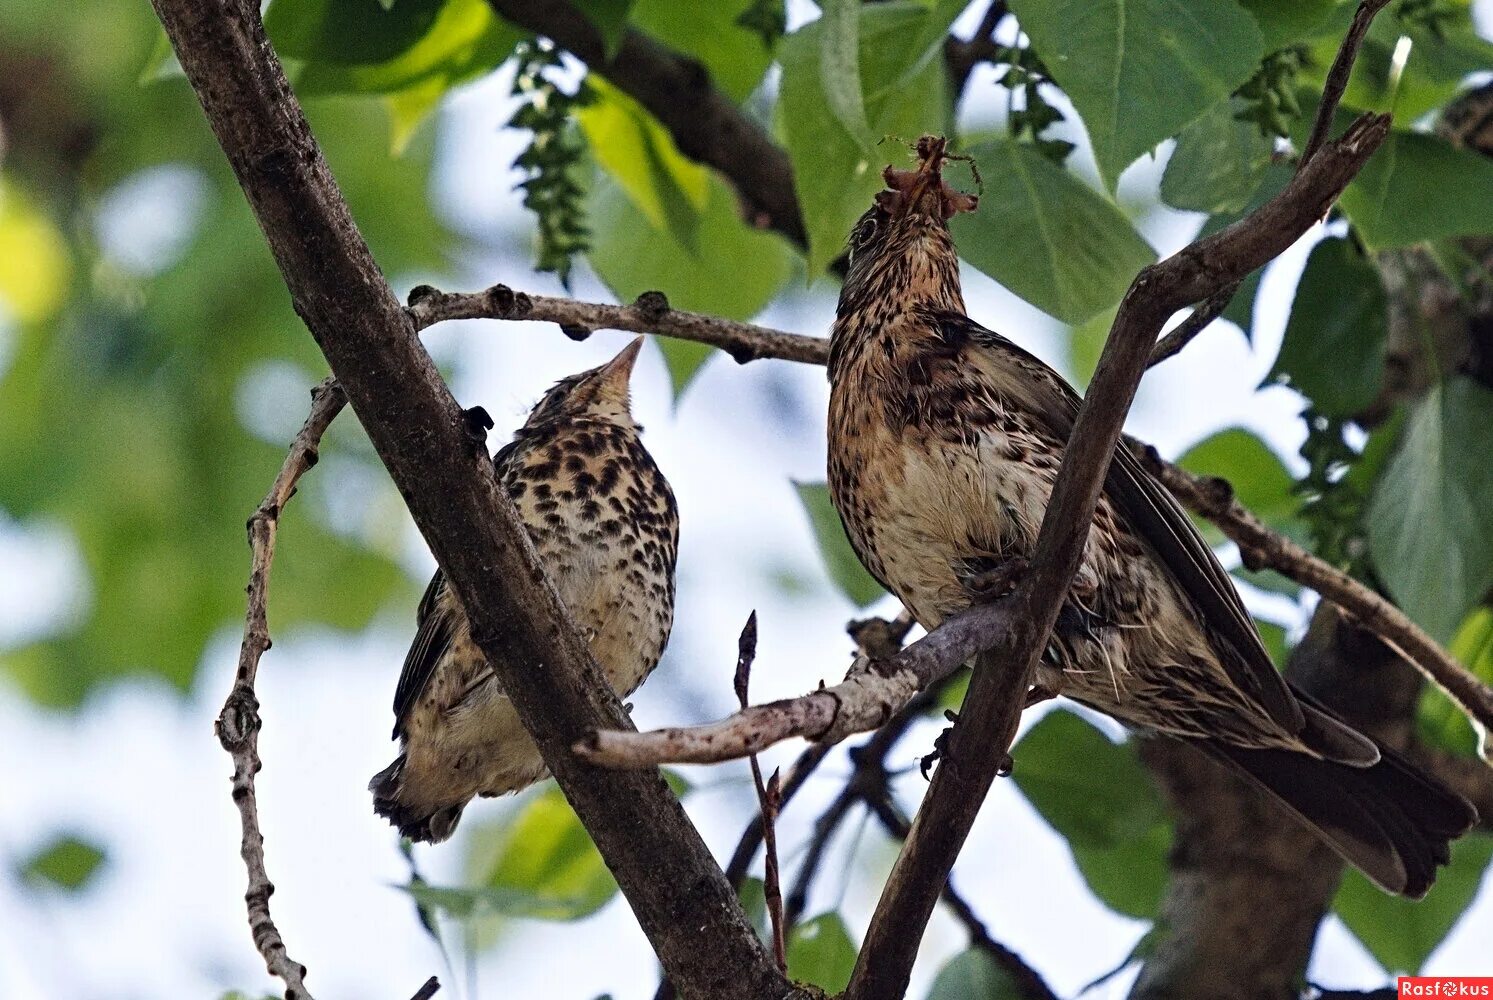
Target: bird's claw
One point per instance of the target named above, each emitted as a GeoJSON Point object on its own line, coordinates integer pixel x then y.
{"type": "Point", "coordinates": [995, 583]}
{"type": "Point", "coordinates": [940, 745]}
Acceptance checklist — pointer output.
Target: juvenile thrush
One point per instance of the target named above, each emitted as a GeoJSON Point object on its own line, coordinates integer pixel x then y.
{"type": "Point", "coordinates": [603, 519]}
{"type": "Point", "coordinates": [944, 442]}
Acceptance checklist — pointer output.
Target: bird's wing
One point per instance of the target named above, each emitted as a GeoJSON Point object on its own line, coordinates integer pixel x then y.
{"type": "Point", "coordinates": [436, 621]}
{"type": "Point", "coordinates": [1153, 514]}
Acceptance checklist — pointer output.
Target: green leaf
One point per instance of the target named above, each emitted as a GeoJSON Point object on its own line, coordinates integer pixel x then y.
{"type": "Point", "coordinates": [463, 42]}
{"type": "Point", "coordinates": [1401, 933]}
{"type": "Point", "coordinates": [540, 864]}
{"type": "Point", "coordinates": [1430, 523]}
{"type": "Point", "coordinates": [840, 65]}
{"type": "Point", "coordinates": [821, 952]}
{"type": "Point", "coordinates": [610, 19]}
{"type": "Point", "coordinates": [1333, 351]}
{"type": "Point", "coordinates": [973, 975]}
{"type": "Point", "coordinates": [1417, 188]}
{"type": "Point", "coordinates": [1097, 795]}
{"type": "Point", "coordinates": [1086, 343]}
{"type": "Point", "coordinates": [348, 32]}
{"type": "Point", "coordinates": [1441, 723]}
{"type": "Point", "coordinates": [640, 155]}
{"type": "Point", "coordinates": [1048, 237]}
{"type": "Point", "coordinates": [834, 172]}
{"type": "Point", "coordinates": [733, 270]}
{"type": "Point", "coordinates": [712, 34]}
{"type": "Point", "coordinates": [1240, 310]}
{"type": "Point", "coordinates": [840, 560]}
{"type": "Point", "coordinates": [1218, 164]}
{"type": "Point", "coordinates": [1114, 60]}
{"type": "Point", "coordinates": [1260, 479]}
{"type": "Point", "coordinates": [1274, 638]}
{"type": "Point", "coordinates": [1285, 21]}
{"type": "Point", "coordinates": [66, 862]}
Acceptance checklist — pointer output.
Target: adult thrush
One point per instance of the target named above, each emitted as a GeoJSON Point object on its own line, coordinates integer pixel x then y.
{"type": "Point", "coordinates": [944, 442]}
{"type": "Point", "coordinates": [603, 519]}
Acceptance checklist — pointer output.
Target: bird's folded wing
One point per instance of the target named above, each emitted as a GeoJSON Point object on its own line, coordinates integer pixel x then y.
{"type": "Point", "coordinates": [436, 619]}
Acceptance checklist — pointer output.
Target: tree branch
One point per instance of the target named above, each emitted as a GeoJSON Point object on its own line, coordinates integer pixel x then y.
{"type": "Point", "coordinates": [446, 477]}
{"type": "Point", "coordinates": [977, 748]}
{"type": "Point", "coordinates": [1260, 547]}
{"type": "Point", "coordinates": [239, 723]}
{"type": "Point", "coordinates": [706, 125]}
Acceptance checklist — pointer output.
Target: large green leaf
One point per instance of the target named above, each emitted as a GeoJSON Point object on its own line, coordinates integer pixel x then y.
{"type": "Point", "coordinates": [1401, 933]}
{"type": "Point", "coordinates": [821, 952]}
{"type": "Point", "coordinates": [735, 57]}
{"type": "Point", "coordinates": [540, 864]}
{"type": "Point", "coordinates": [610, 19]}
{"type": "Point", "coordinates": [1333, 351]}
{"type": "Point", "coordinates": [840, 65]}
{"type": "Point", "coordinates": [1140, 70]}
{"type": "Point", "coordinates": [1046, 236]}
{"type": "Point", "coordinates": [1098, 797]}
{"type": "Point", "coordinates": [1417, 188]}
{"type": "Point", "coordinates": [1218, 163]}
{"type": "Point", "coordinates": [348, 32]}
{"type": "Point", "coordinates": [1430, 523]}
{"type": "Point", "coordinates": [65, 862]}
{"type": "Point", "coordinates": [973, 975]}
{"type": "Point", "coordinates": [840, 560]}
{"type": "Point", "coordinates": [834, 171]}
{"type": "Point", "coordinates": [733, 270]}
{"type": "Point", "coordinates": [1439, 722]}
{"type": "Point", "coordinates": [1285, 21]}
{"type": "Point", "coordinates": [1260, 479]}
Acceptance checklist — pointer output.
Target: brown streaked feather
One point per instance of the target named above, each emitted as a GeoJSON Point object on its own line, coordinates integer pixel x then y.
{"type": "Point", "coordinates": [1156, 519]}
{"type": "Point", "coordinates": [435, 628]}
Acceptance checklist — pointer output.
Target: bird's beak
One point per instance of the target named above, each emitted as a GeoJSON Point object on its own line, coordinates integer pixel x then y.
{"type": "Point", "coordinates": [618, 371]}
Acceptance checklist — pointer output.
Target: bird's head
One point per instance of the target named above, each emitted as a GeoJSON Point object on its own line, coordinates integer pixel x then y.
{"type": "Point", "coordinates": [901, 247]}
{"type": "Point", "coordinates": [601, 393]}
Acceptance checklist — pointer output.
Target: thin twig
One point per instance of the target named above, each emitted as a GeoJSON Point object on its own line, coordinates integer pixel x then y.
{"type": "Point", "coordinates": [651, 313]}
{"type": "Point", "coordinates": [431, 987]}
{"type": "Point", "coordinates": [1207, 311]}
{"type": "Point", "coordinates": [963, 56]}
{"type": "Point", "coordinates": [1338, 76]}
{"type": "Point", "coordinates": [1260, 547]}
{"type": "Point", "coordinates": [238, 723]}
{"type": "Point", "coordinates": [769, 798]}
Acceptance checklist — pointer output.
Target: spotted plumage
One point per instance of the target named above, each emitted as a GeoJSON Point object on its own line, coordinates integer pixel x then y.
{"type": "Point", "coordinates": [603, 519]}
{"type": "Point", "coordinates": [944, 442]}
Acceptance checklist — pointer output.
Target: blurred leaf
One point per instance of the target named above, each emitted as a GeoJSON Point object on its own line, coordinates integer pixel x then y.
{"type": "Point", "coordinates": [639, 154]}
{"type": "Point", "coordinates": [161, 64]}
{"type": "Point", "coordinates": [1430, 524]}
{"type": "Point", "coordinates": [1218, 163]}
{"type": "Point", "coordinates": [540, 863]}
{"type": "Point", "coordinates": [348, 32]}
{"type": "Point", "coordinates": [834, 172]}
{"type": "Point", "coordinates": [610, 19]}
{"type": "Point", "coordinates": [1274, 638]}
{"type": "Point", "coordinates": [711, 33]}
{"type": "Point", "coordinates": [1333, 351]}
{"type": "Point", "coordinates": [821, 952]}
{"type": "Point", "coordinates": [1086, 343]}
{"type": "Point", "coordinates": [1439, 722]}
{"type": "Point", "coordinates": [678, 783]}
{"type": "Point", "coordinates": [408, 110]}
{"type": "Point", "coordinates": [1260, 479]}
{"type": "Point", "coordinates": [753, 896]}
{"type": "Point", "coordinates": [1113, 59]}
{"type": "Point", "coordinates": [1096, 794]}
{"type": "Point", "coordinates": [734, 272]}
{"type": "Point", "coordinates": [66, 862]}
{"type": "Point", "coordinates": [1240, 310]}
{"type": "Point", "coordinates": [951, 696]}
{"type": "Point", "coordinates": [973, 975]}
{"type": "Point", "coordinates": [1419, 187]}
{"type": "Point", "coordinates": [35, 265]}
{"type": "Point", "coordinates": [1046, 236]}
{"type": "Point", "coordinates": [1287, 21]}
{"type": "Point", "coordinates": [1401, 933]}
{"type": "Point", "coordinates": [463, 42]}
{"type": "Point", "coordinates": [840, 560]}
{"type": "Point", "coordinates": [840, 65]}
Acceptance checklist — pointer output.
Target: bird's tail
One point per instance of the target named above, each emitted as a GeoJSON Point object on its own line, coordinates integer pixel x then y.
{"type": "Point", "coordinates": [1390, 820]}
{"type": "Point", "coordinates": [422, 822]}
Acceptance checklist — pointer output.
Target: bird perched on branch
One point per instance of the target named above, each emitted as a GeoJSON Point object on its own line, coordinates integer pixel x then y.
{"type": "Point", "coordinates": [603, 520]}
{"type": "Point", "coordinates": [944, 442]}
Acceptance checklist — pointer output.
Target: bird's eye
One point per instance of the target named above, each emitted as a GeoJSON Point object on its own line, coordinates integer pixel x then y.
{"type": "Point", "coordinates": [862, 235]}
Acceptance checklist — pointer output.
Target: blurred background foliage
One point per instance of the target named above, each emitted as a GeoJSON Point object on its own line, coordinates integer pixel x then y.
{"type": "Point", "coordinates": [151, 368]}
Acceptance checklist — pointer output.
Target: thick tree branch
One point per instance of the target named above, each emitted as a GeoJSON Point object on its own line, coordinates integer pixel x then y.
{"type": "Point", "coordinates": [238, 723]}
{"type": "Point", "coordinates": [978, 744]}
{"type": "Point", "coordinates": [1260, 547]}
{"type": "Point", "coordinates": [707, 126]}
{"type": "Point", "coordinates": [446, 477]}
